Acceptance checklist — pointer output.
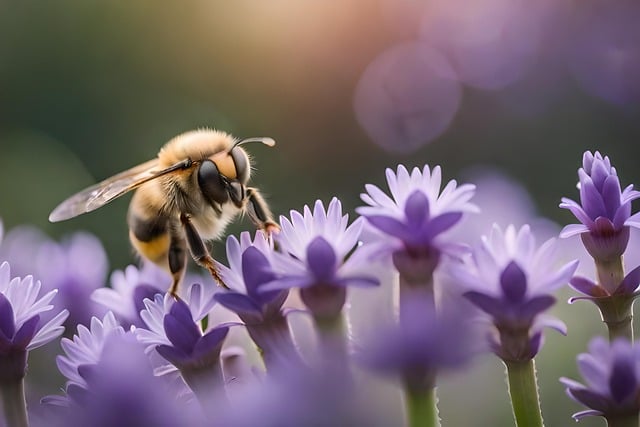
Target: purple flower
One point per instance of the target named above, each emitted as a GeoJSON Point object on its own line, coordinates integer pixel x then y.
{"type": "Point", "coordinates": [604, 210]}
{"type": "Point", "coordinates": [320, 255]}
{"type": "Point", "coordinates": [175, 331]}
{"type": "Point", "coordinates": [21, 326]}
{"type": "Point", "coordinates": [511, 280]}
{"type": "Point", "coordinates": [76, 267]}
{"type": "Point", "coordinates": [417, 349]}
{"type": "Point", "coordinates": [84, 349]}
{"type": "Point", "coordinates": [249, 270]}
{"type": "Point", "coordinates": [261, 310]}
{"type": "Point", "coordinates": [612, 377]}
{"type": "Point", "coordinates": [129, 288]}
{"type": "Point", "coordinates": [119, 387]}
{"type": "Point", "coordinates": [417, 213]}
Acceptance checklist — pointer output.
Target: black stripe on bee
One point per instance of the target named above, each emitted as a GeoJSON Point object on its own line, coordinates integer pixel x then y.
{"type": "Point", "coordinates": [146, 230]}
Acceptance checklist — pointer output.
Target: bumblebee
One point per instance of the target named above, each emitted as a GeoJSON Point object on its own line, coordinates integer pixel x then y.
{"type": "Point", "coordinates": [184, 197]}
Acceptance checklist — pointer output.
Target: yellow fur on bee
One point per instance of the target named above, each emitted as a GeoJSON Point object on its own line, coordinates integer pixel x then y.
{"type": "Point", "coordinates": [154, 250]}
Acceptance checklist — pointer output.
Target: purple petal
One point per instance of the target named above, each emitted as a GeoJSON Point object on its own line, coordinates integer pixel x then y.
{"type": "Point", "coordinates": [589, 413]}
{"type": "Point", "coordinates": [486, 303]}
{"type": "Point", "coordinates": [25, 334]}
{"type": "Point", "coordinates": [7, 323]}
{"type": "Point", "coordinates": [358, 281]}
{"type": "Point", "coordinates": [611, 195]}
{"type": "Point", "coordinates": [591, 200]}
{"type": "Point", "coordinates": [142, 292]}
{"type": "Point", "coordinates": [622, 382]}
{"type": "Point", "coordinates": [537, 305]}
{"type": "Point", "coordinates": [211, 343]}
{"type": "Point", "coordinates": [256, 271]}
{"type": "Point", "coordinates": [630, 283]}
{"type": "Point", "coordinates": [535, 343]}
{"type": "Point", "coordinates": [576, 210]}
{"type": "Point", "coordinates": [390, 226]}
{"type": "Point", "coordinates": [237, 302]}
{"type": "Point", "coordinates": [513, 282]}
{"type": "Point", "coordinates": [587, 287]}
{"type": "Point", "coordinates": [321, 259]}
{"type": "Point", "coordinates": [180, 327]}
{"type": "Point", "coordinates": [621, 215]}
{"type": "Point", "coordinates": [589, 399]}
{"type": "Point", "coordinates": [442, 223]}
{"type": "Point", "coordinates": [603, 226]}
{"type": "Point", "coordinates": [172, 354]}
{"type": "Point", "coordinates": [572, 230]}
{"type": "Point", "coordinates": [416, 209]}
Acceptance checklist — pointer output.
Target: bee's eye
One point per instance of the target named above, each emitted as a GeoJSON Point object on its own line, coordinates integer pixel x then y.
{"type": "Point", "coordinates": [212, 183]}
{"type": "Point", "coordinates": [241, 163]}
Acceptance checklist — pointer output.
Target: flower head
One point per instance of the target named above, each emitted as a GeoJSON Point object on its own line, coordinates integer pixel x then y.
{"type": "Point", "coordinates": [129, 288]}
{"type": "Point", "coordinates": [320, 255]}
{"type": "Point", "coordinates": [85, 349]}
{"type": "Point", "coordinates": [511, 280]}
{"type": "Point", "coordinates": [417, 213]}
{"type": "Point", "coordinates": [604, 210]}
{"type": "Point", "coordinates": [612, 376]}
{"type": "Point", "coordinates": [250, 268]}
{"type": "Point", "coordinates": [21, 326]}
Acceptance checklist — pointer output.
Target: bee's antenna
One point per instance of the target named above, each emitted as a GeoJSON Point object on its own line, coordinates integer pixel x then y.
{"type": "Point", "coordinates": [263, 139]}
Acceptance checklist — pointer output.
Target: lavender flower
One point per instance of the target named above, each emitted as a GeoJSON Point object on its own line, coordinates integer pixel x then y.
{"type": "Point", "coordinates": [417, 213]}
{"type": "Point", "coordinates": [176, 333]}
{"type": "Point", "coordinates": [511, 280]}
{"type": "Point", "coordinates": [418, 349]}
{"type": "Point", "coordinates": [612, 376]}
{"type": "Point", "coordinates": [76, 267]}
{"type": "Point", "coordinates": [604, 210]}
{"type": "Point", "coordinates": [129, 288]}
{"type": "Point", "coordinates": [21, 328]}
{"type": "Point", "coordinates": [119, 387]}
{"type": "Point", "coordinates": [84, 349]}
{"type": "Point", "coordinates": [321, 258]}
{"type": "Point", "coordinates": [250, 269]}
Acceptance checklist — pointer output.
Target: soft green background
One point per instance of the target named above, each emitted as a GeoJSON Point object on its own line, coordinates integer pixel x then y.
{"type": "Point", "coordinates": [89, 88]}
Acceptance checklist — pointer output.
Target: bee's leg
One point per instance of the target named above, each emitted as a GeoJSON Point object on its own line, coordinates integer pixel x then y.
{"type": "Point", "coordinates": [199, 251]}
{"type": "Point", "coordinates": [177, 261]}
{"type": "Point", "coordinates": [259, 212]}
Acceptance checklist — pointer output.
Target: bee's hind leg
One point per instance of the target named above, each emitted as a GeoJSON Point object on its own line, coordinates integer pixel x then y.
{"type": "Point", "coordinates": [177, 262]}
{"type": "Point", "coordinates": [199, 251]}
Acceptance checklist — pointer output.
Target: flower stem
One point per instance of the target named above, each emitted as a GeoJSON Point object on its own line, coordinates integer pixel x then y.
{"type": "Point", "coordinates": [332, 337]}
{"type": "Point", "coordinates": [14, 403]}
{"type": "Point", "coordinates": [630, 421]}
{"type": "Point", "coordinates": [617, 314]}
{"type": "Point", "coordinates": [523, 391]}
{"type": "Point", "coordinates": [422, 410]}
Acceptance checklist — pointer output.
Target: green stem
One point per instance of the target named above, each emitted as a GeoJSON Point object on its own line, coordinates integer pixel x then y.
{"type": "Point", "coordinates": [14, 404]}
{"type": "Point", "coordinates": [617, 314]}
{"type": "Point", "coordinates": [422, 409]}
{"type": "Point", "coordinates": [332, 338]}
{"type": "Point", "coordinates": [610, 273]}
{"type": "Point", "coordinates": [524, 393]}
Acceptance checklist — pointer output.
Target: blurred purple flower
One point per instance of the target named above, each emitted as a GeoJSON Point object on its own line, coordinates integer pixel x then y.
{"type": "Point", "coordinates": [511, 280]}
{"type": "Point", "coordinates": [407, 97]}
{"type": "Point", "coordinates": [119, 387]}
{"type": "Point", "coordinates": [612, 376]}
{"type": "Point", "coordinates": [84, 349]}
{"type": "Point", "coordinates": [320, 255]}
{"type": "Point", "coordinates": [417, 213]}
{"type": "Point", "coordinates": [76, 267]}
{"type": "Point", "coordinates": [129, 288]}
{"type": "Point", "coordinates": [604, 210]}
{"type": "Point", "coordinates": [21, 326]}
{"type": "Point", "coordinates": [604, 55]}
{"type": "Point", "coordinates": [422, 346]}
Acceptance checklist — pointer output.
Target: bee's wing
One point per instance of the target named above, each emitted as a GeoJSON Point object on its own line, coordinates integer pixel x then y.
{"type": "Point", "coordinates": [103, 192]}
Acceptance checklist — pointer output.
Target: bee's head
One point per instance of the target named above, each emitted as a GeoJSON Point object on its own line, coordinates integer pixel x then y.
{"type": "Point", "coordinates": [223, 176]}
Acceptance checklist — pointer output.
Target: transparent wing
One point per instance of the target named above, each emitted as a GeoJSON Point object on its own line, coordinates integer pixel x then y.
{"type": "Point", "coordinates": [103, 192]}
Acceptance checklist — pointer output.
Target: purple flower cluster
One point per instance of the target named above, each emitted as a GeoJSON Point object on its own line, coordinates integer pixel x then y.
{"type": "Point", "coordinates": [159, 359]}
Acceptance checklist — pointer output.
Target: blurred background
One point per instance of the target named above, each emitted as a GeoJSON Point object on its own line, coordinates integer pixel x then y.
{"type": "Point", "coordinates": [513, 90]}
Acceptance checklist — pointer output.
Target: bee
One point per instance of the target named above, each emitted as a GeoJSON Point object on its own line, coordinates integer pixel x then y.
{"type": "Point", "coordinates": [183, 198]}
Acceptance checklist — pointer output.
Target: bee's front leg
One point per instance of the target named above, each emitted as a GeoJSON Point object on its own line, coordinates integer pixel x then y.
{"type": "Point", "coordinates": [259, 212]}
{"type": "Point", "coordinates": [199, 250]}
